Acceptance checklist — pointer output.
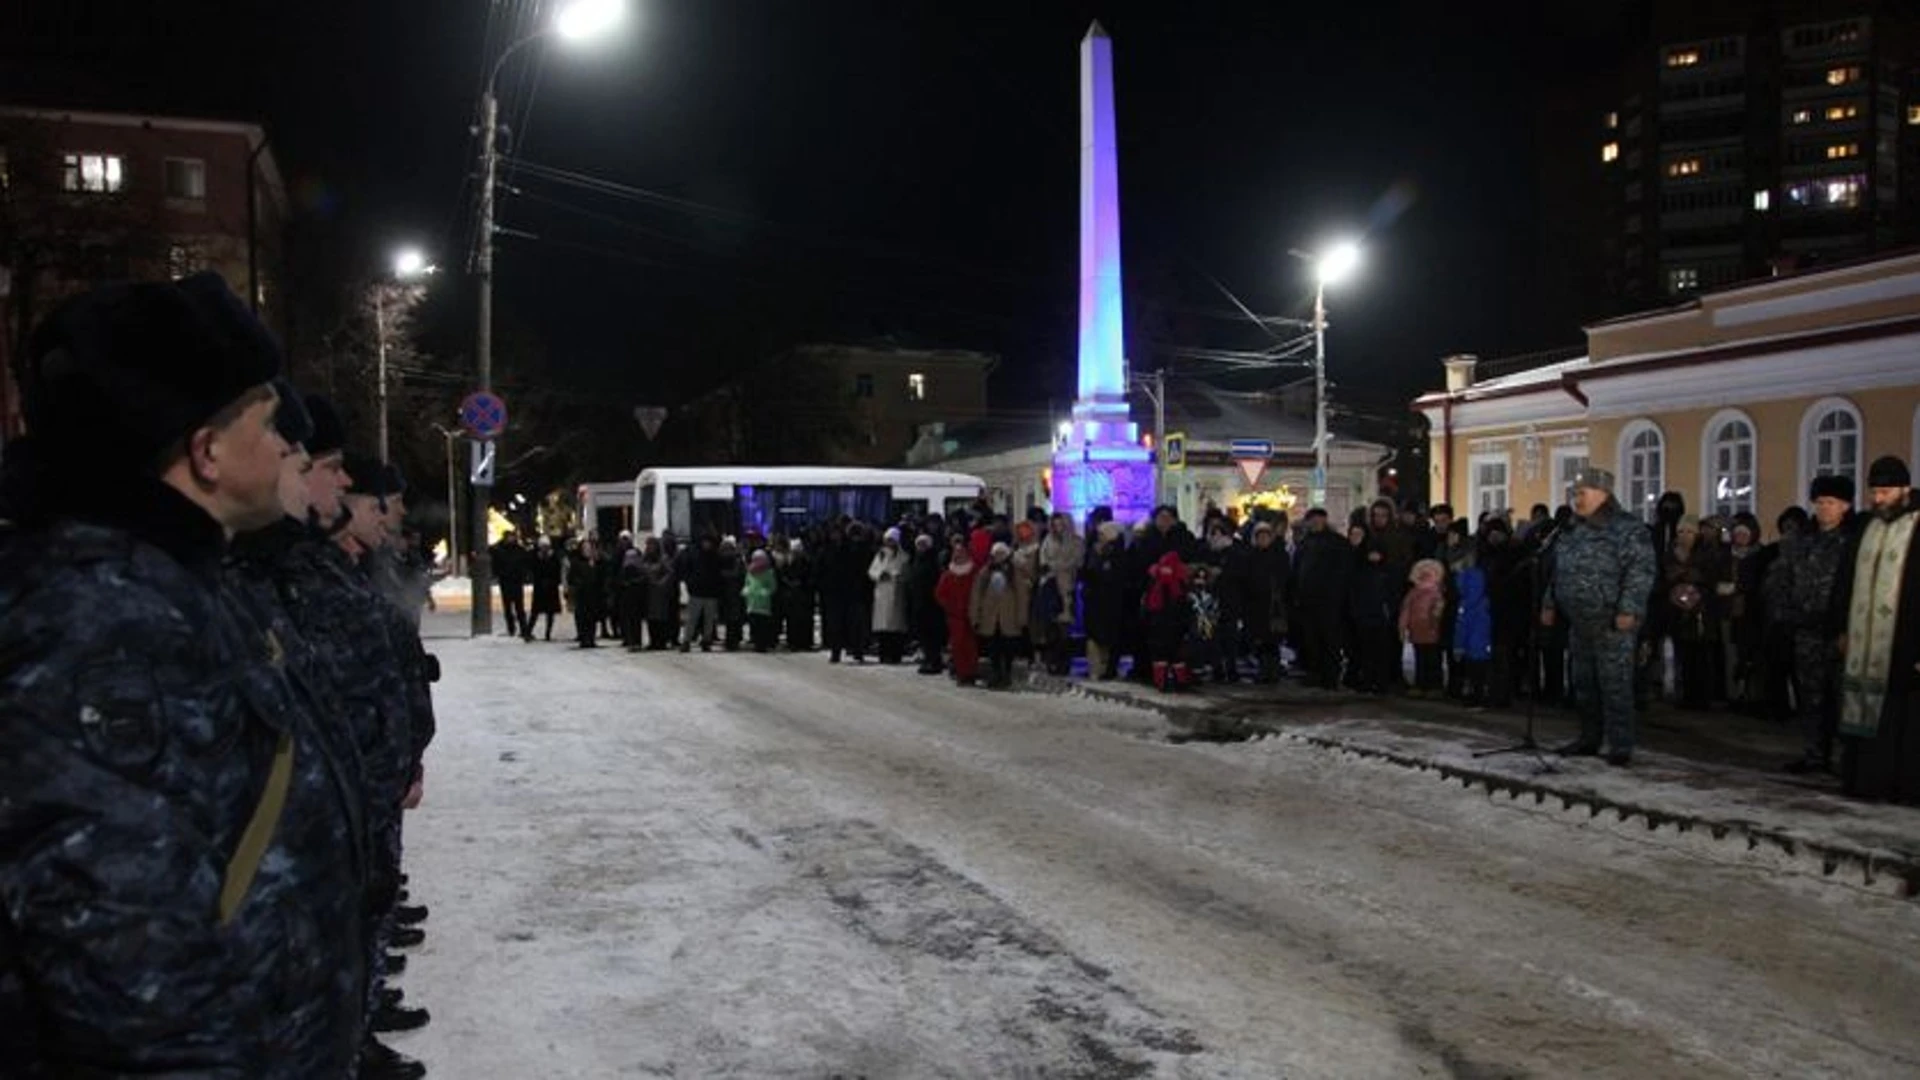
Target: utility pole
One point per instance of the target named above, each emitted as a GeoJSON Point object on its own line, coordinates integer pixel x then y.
{"type": "Point", "coordinates": [453, 501]}
{"type": "Point", "coordinates": [380, 333]}
{"type": "Point", "coordinates": [481, 570]}
{"type": "Point", "coordinates": [1318, 492]}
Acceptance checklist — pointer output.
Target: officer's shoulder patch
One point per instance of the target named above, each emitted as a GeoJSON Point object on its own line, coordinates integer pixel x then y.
{"type": "Point", "coordinates": [118, 710]}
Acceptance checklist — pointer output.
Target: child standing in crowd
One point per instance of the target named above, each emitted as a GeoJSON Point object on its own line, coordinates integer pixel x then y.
{"type": "Point", "coordinates": [758, 592]}
{"type": "Point", "coordinates": [1422, 613]}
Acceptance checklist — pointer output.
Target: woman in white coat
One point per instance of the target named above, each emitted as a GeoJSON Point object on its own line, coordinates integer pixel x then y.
{"type": "Point", "coordinates": [888, 572]}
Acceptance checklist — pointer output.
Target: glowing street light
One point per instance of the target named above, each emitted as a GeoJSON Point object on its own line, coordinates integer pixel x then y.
{"type": "Point", "coordinates": [410, 264]}
{"type": "Point", "coordinates": [583, 20]}
{"type": "Point", "coordinates": [1330, 267]}
{"type": "Point", "coordinates": [575, 22]}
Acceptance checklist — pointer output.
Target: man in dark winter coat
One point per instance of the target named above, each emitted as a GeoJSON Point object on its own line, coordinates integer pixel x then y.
{"type": "Point", "coordinates": [510, 570]}
{"type": "Point", "coordinates": [1800, 588]}
{"type": "Point", "coordinates": [585, 591]}
{"type": "Point", "coordinates": [1602, 578]}
{"type": "Point", "coordinates": [699, 569]}
{"type": "Point", "coordinates": [1264, 598]}
{"type": "Point", "coordinates": [177, 889]}
{"type": "Point", "coordinates": [1321, 569]}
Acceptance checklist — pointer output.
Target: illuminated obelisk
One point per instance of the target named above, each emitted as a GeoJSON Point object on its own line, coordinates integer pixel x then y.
{"type": "Point", "coordinates": [1100, 461]}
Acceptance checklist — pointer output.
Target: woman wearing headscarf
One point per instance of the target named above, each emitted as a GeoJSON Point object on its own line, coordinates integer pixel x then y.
{"type": "Point", "coordinates": [1001, 594]}
{"type": "Point", "coordinates": [888, 572]}
{"type": "Point", "coordinates": [1061, 555]}
{"type": "Point", "coordinates": [955, 596]}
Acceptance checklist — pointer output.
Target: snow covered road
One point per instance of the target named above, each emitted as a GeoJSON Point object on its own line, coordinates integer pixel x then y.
{"type": "Point", "coordinates": [769, 866]}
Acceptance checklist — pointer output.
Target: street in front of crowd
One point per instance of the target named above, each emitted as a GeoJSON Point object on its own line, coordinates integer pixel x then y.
{"type": "Point", "coordinates": [767, 865]}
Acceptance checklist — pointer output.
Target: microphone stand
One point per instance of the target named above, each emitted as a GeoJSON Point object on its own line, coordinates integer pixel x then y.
{"type": "Point", "coordinates": [1527, 744]}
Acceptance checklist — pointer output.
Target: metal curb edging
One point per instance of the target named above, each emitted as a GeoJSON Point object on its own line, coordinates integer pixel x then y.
{"type": "Point", "coordinates": [1872, 865]}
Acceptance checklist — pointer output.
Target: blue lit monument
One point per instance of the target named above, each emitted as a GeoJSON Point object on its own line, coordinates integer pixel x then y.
{"type": "Point", "coordinates": [1100, 461]}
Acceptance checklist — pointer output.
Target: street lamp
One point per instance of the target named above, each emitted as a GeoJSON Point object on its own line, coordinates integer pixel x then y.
{"type": "Point", "coordinates": [408, 265]}
{"type": "Point", "coordinates": [577, 21]}
{"type": "Point", "coordinates": [1330, 267]}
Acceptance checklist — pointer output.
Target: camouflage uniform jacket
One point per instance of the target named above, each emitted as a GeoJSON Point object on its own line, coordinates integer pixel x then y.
{"type": "Point", "coordinates": [139, 711]}
{"type": "Point", "coordinates": [418, 670]}
{"type": "Point", "coordinates": [1603, 566]}
{"type": "Point", "coordinates": [1800, 584]}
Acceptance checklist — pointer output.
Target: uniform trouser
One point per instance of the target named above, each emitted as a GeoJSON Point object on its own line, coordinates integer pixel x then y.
{"type": "Point", "coordinates": [1813, 665]}
{"type": "Point", "coordinates": [386, 852]}
{"type": "Point", "coordinates": [1603, 673]}
{"type": "Point", "coordinates": [513, 604]}
{"type": "Point", "coordinates": [703, 616]}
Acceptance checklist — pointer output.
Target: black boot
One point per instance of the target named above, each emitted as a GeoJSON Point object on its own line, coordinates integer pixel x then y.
{"type": "Point", "coordinates": [410, 914]}
{"type": "Point", "coordinates": [395, 964]}
{"type": "Point", "coordinates": [379, 1061]}
{"type": "Point", "coordinates": [391, 1018]}
{"type": "Point", "coordinates": [406, 937]}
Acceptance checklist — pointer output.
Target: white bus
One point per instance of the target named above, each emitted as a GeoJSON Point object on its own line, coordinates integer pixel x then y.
{"type": "Point", "coordinates": [732, 499]}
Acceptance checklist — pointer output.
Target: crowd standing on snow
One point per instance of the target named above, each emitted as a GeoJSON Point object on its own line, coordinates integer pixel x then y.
{"type": "Point", "coordinates": [214, 708]}
{"type": "Point", "coordinates": [1579, 608]}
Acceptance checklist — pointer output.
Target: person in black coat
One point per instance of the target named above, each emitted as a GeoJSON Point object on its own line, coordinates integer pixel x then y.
{"type": "Point", "coordinates": [699, 569]}
{"type": "Point", "coordinates": [543, 572]}
{"type": "Point", "coordinates": [846, 619]}
{"type": "Point", "coordinates": [793, 568]}
{"type": "Point", "coordinates": [1231, 562]}
{"type": "Point", "coordinates": [924, 613]}
{"type": "Point", "coordinates": [1509, 573]}
{"type": "Point", "coordinates": [1104, 606]}
{"type": "Point", "coordinates": [1321, 570]}
{"type": "Point", "coordinates": [585, 589]}
{"type": "Point", "coordinates": [733, 606]}
{"type": "Point", "coordinates": [1264, 580]}
{"type": "Point", "coordinates": [510, 570]}
{"type": "Point", "coordinates": [1373, 623]}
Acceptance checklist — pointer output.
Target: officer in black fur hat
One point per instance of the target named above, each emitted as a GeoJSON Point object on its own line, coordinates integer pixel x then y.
{"type": "Point", "coordinates": [175, 837]}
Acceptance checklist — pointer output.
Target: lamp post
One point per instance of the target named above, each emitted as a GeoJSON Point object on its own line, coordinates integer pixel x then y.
{"type": "Point", "coordinates": [407, 265]}
{"type": "Point", "coordinates": [577, 21]}
{"type": "Point", "coordinates": [1330, 267]}
{"type": "Point", "coordinates": [453, 503]}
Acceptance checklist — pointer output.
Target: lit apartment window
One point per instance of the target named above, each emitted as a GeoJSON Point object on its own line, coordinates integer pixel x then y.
{"type": "Point", "coordinates": [1610, 152]}
{"type": "Point", "coordinates": [1847, 32]}
{"type": "Point", "coordinates": [1801, 116]}
{"type": "Point", "coordinates": [916, 387]}
{"type": "Point", "coordinates": [186, 178]}
{"type": "Point", "coordinates": [1684, 167]}
{"type": "Point", "coordinates": [1913, 114]}
{"type": "Point", "coordinates": [1842, 112]}
{"type": "Point", "coordinates": [1843, 191]}
{"type": "Point", "coordinates": [1841, 151]}
{"type": "Point", "coordinates": [1763, 199]}
{"type": "Point", "coordinates": [1683, 58]}
{"type": "Point", "coordinates": [1841, 76]}
{"type": "Point", "coordinates": [1683, 278]}
{"type": "Point", "coordinates": [1613, 121]}
{"type": "Point", "coordinates": [96, 173]}
{"type": "Point", "coordinates": [182, 260]}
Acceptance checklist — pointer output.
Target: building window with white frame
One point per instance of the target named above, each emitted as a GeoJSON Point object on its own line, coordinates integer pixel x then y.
{"type": "Point", "coordinates": [1643, 468]}
{"type": "Point", "coordinates": [92, 174]}
{"type": "Point", "coordinates": [1729, 456]}
{"type": "Point", "coordinates": [1489, 488]}
{"type": "Point", "coordinates": [186, 178]}
{"type": "Point", "coordinates": [916, 387]}
{"type": "Point", "coordinates": [1831, 434]}
{"type": "Point", "coordinates": [1568, 462]}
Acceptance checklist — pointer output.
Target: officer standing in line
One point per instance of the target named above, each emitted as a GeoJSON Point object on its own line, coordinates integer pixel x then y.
{"type": "Point", "coordinates": [298, 574]}
{"type": "Point", "coordinates": [176, 841]}
{"type": "Point", "coordinates": [1602, 576]}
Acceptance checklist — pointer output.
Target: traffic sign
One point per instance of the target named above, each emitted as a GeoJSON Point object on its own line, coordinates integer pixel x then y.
{"type": "Point", "coordinates": [481, 458]}
{"type": "Point", "coordinates": [483, 414]}
{"type": "Point", "coordinates": [1174, 454]}
{"type": "Point", "coordinates": [1251, 448]}
{"type": "Point", "coordinates": [1252, 468]}
{"type": "Point", "coordinates": [650, 418]}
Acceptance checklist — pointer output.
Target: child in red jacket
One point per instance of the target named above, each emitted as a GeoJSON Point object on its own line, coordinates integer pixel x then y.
{"type": "Point", "coordinates": [1422, 614]}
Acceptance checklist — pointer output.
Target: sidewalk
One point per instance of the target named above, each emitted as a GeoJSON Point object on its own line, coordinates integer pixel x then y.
{"type": "Point", "coordinates": [1717, 772]}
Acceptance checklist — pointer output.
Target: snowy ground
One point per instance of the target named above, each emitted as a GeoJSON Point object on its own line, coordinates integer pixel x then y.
{"type": "Point", "coordinates": [767, 866]}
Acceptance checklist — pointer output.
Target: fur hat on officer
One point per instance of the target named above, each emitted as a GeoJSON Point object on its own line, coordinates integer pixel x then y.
{"type": "Point", "coordinates": [118, 376]}
{"type": "Point", "coordinates": [369, 476]}
{"type": "Point", "coordinates": [329, 431]}
{"type": "Point", "coordinates": [1831, 487]}
{"type": "Point", "coordinates": [291, 417]}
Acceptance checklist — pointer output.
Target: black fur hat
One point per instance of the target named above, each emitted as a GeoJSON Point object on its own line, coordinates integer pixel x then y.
{"type": "Point", "coordinates": [1831, 487]}
{"type": "Point", "coordinates": [118, 375]}
{"type": "Point", "coordinates": [329, 431]}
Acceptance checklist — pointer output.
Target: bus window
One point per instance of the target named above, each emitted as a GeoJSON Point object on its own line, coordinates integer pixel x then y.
{"type": "Point", "coordinates": [963, 502]}
{"type": "Point", "coordinates": [647, 522]}
{"type": "Point", "coordinates": [680, 510]}
{"type": "Point", "coordinates": [903, 507]}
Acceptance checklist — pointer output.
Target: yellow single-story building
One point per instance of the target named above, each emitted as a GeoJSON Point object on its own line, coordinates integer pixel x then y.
{"type": "Point", "coordinates": [1736, 399]}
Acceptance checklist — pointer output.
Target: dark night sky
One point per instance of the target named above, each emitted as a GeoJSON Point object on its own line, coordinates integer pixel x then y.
{"type": "Point", "coordinates": [858, 167]}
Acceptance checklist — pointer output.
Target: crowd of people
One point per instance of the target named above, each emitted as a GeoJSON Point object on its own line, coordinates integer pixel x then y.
{"type": "Point", "coordinates": [1580, 607]}
{"type": "Point", "coordinates": [214, 708]}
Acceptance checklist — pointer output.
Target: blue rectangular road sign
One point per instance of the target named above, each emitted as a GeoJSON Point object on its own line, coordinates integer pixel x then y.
{"type": "Point", "coordinates": [1251, 448]}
